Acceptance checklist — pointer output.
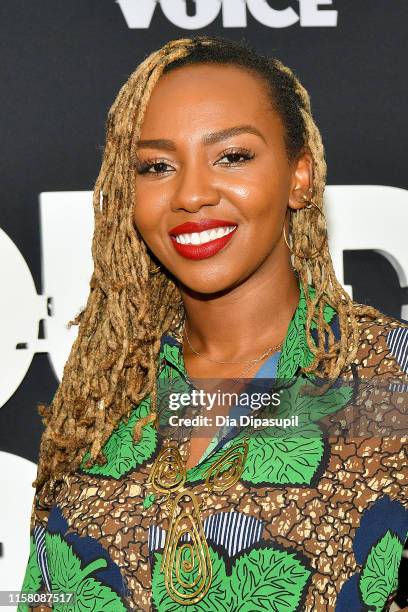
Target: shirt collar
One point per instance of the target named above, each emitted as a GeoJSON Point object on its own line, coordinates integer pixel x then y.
{"type": "Point", "coordinates": [295, 353]}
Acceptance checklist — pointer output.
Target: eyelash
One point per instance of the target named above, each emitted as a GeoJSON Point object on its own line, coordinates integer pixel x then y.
{"type": "Point", "coordinates": [144, 167]}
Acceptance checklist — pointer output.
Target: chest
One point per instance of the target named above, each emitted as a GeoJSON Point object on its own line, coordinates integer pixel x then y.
{"type": "Point", "coordinates": [315, 512]}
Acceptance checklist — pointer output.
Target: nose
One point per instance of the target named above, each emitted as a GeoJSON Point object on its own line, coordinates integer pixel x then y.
{"type": "Point", "coordinates": [194, 188]}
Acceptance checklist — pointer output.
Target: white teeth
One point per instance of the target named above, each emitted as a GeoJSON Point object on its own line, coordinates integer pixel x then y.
{"type": "Point", "coordinates": [205, 236]}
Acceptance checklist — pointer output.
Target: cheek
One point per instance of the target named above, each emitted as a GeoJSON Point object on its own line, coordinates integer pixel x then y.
{"type": "Point", "coordinates": [264, 190]}
{"type": "Point", "coordinates": [265, 203]}
{"type": "Point", "coordinates": [147, 211]}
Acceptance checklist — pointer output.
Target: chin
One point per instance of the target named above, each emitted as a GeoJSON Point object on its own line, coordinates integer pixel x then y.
{"type": "Point", "coordinates": [205, 286]}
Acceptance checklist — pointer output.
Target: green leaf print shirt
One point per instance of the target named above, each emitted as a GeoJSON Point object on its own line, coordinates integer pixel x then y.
{"type": "Point", "coordinates": [316, 521]}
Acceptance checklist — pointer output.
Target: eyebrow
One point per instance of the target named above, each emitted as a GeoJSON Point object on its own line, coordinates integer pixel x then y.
{"type": "Point", "coordinates": [208, 139]}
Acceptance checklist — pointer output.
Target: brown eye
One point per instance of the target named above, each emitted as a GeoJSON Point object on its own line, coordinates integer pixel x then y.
{"type": "Point", "coordinates": [236, 156]}
{"type": "Point", "coordinates": [152, 167]}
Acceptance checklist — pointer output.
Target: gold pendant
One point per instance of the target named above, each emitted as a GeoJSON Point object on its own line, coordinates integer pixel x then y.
{"type": "Point", "coordinates": [168, 475]}
{"type": "Point", "coordinates": [168, 472]}
{"type": "Point", "coordinates": [187, 565]}
{"type": "Point", "coordinates": [225, 472]}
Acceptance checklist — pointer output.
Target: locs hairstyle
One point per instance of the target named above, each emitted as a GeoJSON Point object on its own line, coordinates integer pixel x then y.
{"type": "Point", "coordinates": [113, 362]}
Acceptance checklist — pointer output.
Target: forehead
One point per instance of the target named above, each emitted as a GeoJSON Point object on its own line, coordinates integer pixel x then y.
{"type": "Point", "coordinates": [194, 95]}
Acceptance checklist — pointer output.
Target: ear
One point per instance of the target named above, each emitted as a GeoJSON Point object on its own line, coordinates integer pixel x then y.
{"type": "Point", "coordinates": [302, 181]}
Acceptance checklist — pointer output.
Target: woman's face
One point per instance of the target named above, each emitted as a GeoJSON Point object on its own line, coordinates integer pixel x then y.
{"type": "Point", "coordinates": [212, 152]}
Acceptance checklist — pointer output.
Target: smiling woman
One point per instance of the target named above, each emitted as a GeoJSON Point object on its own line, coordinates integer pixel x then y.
{"type": "Point", "coordinates": [212, 268]}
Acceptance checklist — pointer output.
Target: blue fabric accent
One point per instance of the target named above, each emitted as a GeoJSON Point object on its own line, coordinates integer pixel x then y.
{"type": "Point", "coordinates": [235, 531]}
{"type": "Point", "coordinates": [269, 368]}
{"type": "Point", "coordinates": [168, 339]}
{"type": "Point", "coordinates": [87, 549]}
{"type": "Point", "coordinates": [349, 596]}
{"type": "Point", "coordinates": [375, 522]}
{"type": "Point", "coordinates": [266, 372]}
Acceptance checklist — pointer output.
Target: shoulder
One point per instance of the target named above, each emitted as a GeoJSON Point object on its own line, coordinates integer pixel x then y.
{"type": "Point", "coordinates": [383, 346]}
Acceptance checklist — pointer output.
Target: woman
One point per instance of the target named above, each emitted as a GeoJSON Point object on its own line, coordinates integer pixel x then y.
{"type": "Point", "coordinates": [212, 262]}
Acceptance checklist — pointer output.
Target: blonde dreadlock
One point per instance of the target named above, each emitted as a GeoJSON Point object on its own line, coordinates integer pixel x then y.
{"type": "Point", "coordinates": [113, 362]}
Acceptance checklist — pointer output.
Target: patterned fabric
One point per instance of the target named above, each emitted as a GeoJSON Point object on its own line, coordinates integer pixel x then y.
{"type": "Point", "coordinates": [317, 520]}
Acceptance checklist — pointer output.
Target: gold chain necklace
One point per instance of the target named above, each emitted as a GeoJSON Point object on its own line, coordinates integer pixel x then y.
{"type": "Point", "coordinates": [251, 361]}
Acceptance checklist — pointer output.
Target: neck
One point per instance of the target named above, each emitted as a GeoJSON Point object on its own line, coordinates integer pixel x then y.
{"type": "Point", "coordinates": [245, 320]}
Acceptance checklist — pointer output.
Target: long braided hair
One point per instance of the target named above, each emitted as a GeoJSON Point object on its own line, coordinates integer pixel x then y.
{"type": "Point", "coordinates": [113, 362]}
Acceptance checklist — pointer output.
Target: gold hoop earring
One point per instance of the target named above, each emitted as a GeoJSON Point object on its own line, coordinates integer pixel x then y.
{"type": "Point", "coordinates": [310, 204]}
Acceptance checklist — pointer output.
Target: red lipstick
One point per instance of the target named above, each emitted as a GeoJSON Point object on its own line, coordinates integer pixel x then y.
{"type": "Point", "coordinates": [199, 226]}
{"type": "Point", "coordinates": [201, 251]}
